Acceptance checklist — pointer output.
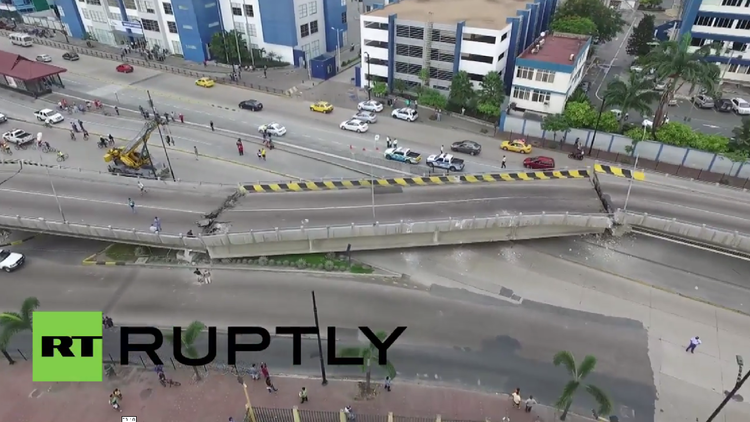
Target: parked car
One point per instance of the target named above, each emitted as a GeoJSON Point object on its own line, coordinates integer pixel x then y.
{"type": "Point", "coordinates": [723, 105]}
{"type": "Point", "coordinates": [467, 147]}
{"type": "Point", "coordinates": [703, 101]}
{"type": "Point", "coordinates": [740, 106]}
{"type": "Point", "coordinates": [408, 114]}
{"type": "Point", "coordinates": [366, 116]}
{"type": "Point", "coordinates": [253, 105]}
{"type": "Point", "coordinates": [539, 163]}
{"type": "Point", "coordinates": [445, 161]}
{"type": "Point", "coordinates": [354, 125]}
{"type": "Point", "coordinates": [124, 68]}
{"type": "Point", "coordinates": [370, 105]}
{"type": "Point", "coordinates": [71, 56]}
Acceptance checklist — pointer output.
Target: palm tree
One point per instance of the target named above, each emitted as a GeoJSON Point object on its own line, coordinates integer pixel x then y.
{"type": "Point", "coordinates": [674, 63]}
{"type": "Point", "coordinates": [369, 354]}
{"type": "Point", "coordinates": [577, 374]}
{"type": "Point", "coordinates": [12, 323]}
{"type": "Point", "coordinates": [189, 336]}
{"type": "Point", "coordinates": [634, 94]}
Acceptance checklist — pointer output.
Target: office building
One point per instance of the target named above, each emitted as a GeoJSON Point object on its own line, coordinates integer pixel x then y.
{"type": "Point", "coordinates": [290, 29]}
{"type": "Point", "coordinates": [10, 7]}
{"type": "Point", "coordinates": [548, 72]}
{"type": "Point", "coordinates": [447, 36]}
{"type": "Point", "coordinates": [726, 22]}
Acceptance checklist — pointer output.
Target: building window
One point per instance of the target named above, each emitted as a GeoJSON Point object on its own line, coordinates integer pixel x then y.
{"type": "Point", "coordinates": [149, 25]}
{"type": "Point", "coordinates": [378, 44]}
{"type": "Point", "coordinates": [731, 2]}
{"type": "Point", "coordinates": [486, 39]}
{"type": "Point", "coordinates": [312, 8]}
{"type": "Point", "coordinates": [474, 77]}
{"type": "Point", "coordinates": [236, 9]}
{"type": "Point", "coordinates": [408, 50]}
{"type": "Point", "coordinates": [343, 17]}
{"type": "Point", "coordinates": [408, 68]}
{"type": "Point", "coordinates": [477, 58]}
{"type": "Point", "coordinates": [304, 30]}
{"type": "Point", "coordinates": [97, 16]}
{"type": "Point", "coordinates": [172, 27]}
{"type": "Point", "coordinates": [251, 30]}
{"type": "Point", "coordinates": [525, 73]}
{"type": "Point", "coordinates": [129, 4]}
{"type": "Point", "coordinates": [94, 2]}
{"type": "Point", "coordinates": [167, 8]}
{"type": "Point", "coordinates": [302, 10]}
{"type": "Point", "coordinates": [314, 28]}
{"type": "Point", "coordinates": [315, 48]}
{"type": "Point", "coordinates": [540, 96]}
{"type": "Point", "coordinates": [703, 21]}
{"type": "Point", "coordinates": [500, 57]}
{"type": "Point", "coordinates": [448, 37]}
{"type": "Point", "coordinates": [521, 93]}
{"type": "Point", "coordinates": [86, 13]}
{"type": "Point", "coordinates": [249, 10]}
{"type": "Point", "coordinates": [743, 24]}
{"type": "Point", "coordinates": [176, 47]}
{"type": "Point", "coordinates": [505, 35]}
{"type": "Point", "coordinates": [545, 76]}
{"type": "Point", "coordinates": [146, 6]}
{"type": "Point", "coordinates": [376, 25]}
{"type": "Point", "coordinates": [723, 23]}
{"type": "Point", "coordinates": [442, 56]}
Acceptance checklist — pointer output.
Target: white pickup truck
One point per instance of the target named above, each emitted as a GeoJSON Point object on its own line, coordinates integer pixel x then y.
{"type": "Point", "coordinates": [18, 137]}
{"type": "Point", "coordinates": [48, 115]}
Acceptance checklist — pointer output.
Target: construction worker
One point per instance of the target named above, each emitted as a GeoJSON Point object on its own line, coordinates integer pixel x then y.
{"type": "Point", "coordinates": [263, 154]}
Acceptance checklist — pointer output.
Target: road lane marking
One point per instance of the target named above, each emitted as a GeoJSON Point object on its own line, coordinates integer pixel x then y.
{"type": "Point", "coordinates": [97, 201]}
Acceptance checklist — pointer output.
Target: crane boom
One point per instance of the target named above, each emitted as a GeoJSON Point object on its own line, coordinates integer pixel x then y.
{"type": "Point", "coordinates": [133, 159]}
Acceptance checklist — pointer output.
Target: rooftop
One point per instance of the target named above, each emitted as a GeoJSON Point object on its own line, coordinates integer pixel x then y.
{"type": "Point", "coordinates": [557, 48]}
{"type": "Point", "coordinates": [490, 14]}
{"type": "Point", "coordinates": [19, 67]}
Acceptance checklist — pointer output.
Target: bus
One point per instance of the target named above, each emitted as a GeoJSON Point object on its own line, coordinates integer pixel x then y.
{"type": "Point", "coordinates": [19, 38]}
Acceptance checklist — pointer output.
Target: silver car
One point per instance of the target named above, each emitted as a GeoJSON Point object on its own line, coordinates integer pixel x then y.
{"type": "Point", "coordinates": [45, 58]}
{"type": "Point", "coordinates": [366, 116]}
{"type": "Point", "coordinates": [703, 101]}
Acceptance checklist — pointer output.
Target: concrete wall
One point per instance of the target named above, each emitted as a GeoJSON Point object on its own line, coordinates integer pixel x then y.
{"type": "Point", "coordinates": [336, 238]}
{"type": "Point", "coordinates": [699, 233]}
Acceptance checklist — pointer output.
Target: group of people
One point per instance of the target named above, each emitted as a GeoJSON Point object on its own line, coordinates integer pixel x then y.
{"type": "Point", "coordinates": [528, 403]}
{"type": "Point", "coordinates": [204, 276]}
{"type": "Point", "coordinates": [107, 322]}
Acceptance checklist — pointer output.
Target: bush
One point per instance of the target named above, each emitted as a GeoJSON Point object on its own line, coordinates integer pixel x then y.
{"type": "Point", "coordinates": [684, 136]}
{"type": "Point", "coordinates": [301, 263]}
{"type": "Point", "coordinates": [285, 263]}
{"type": "Point", "coordinates": [272, 262]}
{"type": "Point", "coordinates": [263, 260]}
{"type": "Point", "coordinates": [329, 265]}
{"type": "Point", "coordinates": [331, 255]}
{"type": "Point", "coordinates": [319, 266]}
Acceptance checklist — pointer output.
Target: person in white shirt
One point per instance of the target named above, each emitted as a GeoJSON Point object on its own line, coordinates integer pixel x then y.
{"type": "Point", "coordinates": [694, 342]}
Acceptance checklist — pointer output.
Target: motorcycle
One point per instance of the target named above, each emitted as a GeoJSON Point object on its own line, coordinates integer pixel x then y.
{"type": "Point", "coordinates": [576, 155]}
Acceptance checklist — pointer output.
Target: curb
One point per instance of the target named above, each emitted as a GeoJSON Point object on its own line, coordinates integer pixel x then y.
{"type": "Point", "coordinates": [18, 242]}
{"type": "Point", "coordinates": [89, 261]}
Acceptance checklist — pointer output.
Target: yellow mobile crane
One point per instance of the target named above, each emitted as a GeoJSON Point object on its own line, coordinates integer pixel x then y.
{"type": "Point", "coordinates": [134, 159]}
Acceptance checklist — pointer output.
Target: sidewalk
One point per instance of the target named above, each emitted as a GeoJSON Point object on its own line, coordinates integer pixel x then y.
{"type": "Point", "coordinates": [219, 397]}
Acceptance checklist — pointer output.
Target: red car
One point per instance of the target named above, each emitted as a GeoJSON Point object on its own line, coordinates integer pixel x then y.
{"type": "Point", "coordinates": [539, 163]}
{"type": "Point", "coordinates": [124, 68]}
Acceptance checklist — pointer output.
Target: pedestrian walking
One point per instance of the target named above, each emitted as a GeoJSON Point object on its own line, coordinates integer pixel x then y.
{"type": "Point", "coordinates": [502, 165]}
{"type": "Point", "coordinates": [240, 148]}
{"type": "Point", "coordinates": [441, 148]}
{"type": "Point", "coordinates": [80, 123]}
{"type": "Point", "coordinates": [254, 373]}
{"type": "Point", "coordinates": [182, 118]}
{"type": "Point", "coordinates": [195, 149]}
{"type": "Point", "coordinates": [694, 342]}
{"type": "Point", "coordinates": [530, 402]}
{"type": "Point", "coordinates": [157, 224]}
{"type": "Point", "coordinates": [173, 115]}
{"type": "Point", "coordinates": [211, 123]}
{"type": "Point", "coordinates": [269, 386]}
{"type": "Point", "coordinates": [303, 395]}
{"type": "Point", "coordinates": [516, 396]}
{"type": "Point", "coordinates": [131, 204]}
{"type": "Point", "coordinates": [198, 273]}
{"type": "Point", "coordinates": [439, 115]}
{"type": "Point", "coordinates": [264, 370]}
{"type": "Point", "coordinates": [169, 140]}
{"type": "Point", "coordinates": [387, 385]}
{"type": "Point", "coordinates": [263, 154]}
{"type": "Point", "coordinates": [117, 110]}
{"type": "Point", "coordinates": [207, 276]}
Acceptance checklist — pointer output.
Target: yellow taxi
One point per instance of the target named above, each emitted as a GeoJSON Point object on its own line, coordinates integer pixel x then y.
{"type": "Point", "coordinates": [518, 145]}
{"type": "Point", "coordinates": [321, 107]}
{"type": "Point", "coordinates": [205, 82]}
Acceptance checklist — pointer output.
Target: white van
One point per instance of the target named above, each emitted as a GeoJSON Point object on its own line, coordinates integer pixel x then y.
{"type": "Point", "coordinates": [18, 38]}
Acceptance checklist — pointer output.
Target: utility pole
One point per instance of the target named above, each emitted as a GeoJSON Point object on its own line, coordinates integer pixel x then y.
{"type": "Point", "coordinates": [161, 136]}
{"type": "Point", "coordinates": [737, 385]}
{"type": "Point", "coordinates": [320, 342]}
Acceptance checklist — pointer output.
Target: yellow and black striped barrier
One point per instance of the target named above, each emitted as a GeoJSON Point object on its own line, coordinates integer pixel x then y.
{"type": "Point", "coordinates": [417, 181]}
{"type": "Point", "coordinates": [619, 172]}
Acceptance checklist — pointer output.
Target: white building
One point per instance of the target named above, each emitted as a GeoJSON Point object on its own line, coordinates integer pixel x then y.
{"type": "Point", "coordinates": [464, 35]}
{"type": "Point", "coordinates": [548, 72]}
{"type": "Point", "coordinates": [726, 22]}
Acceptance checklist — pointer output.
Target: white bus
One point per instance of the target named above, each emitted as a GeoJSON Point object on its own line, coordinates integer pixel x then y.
{"type": "Point", "coordinates": [18, 38]}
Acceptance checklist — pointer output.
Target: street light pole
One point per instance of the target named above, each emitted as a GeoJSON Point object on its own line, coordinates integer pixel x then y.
{"type": "Point", "coordinates": [320, 342]}
{"type": "Point", "coordinates": [596, 127]}
{"type": "Point", "coordinates": [161, 136]}
{"type": "Point", "coordinates": [630, 185]}
{"type": "Point", "coordinates": [338, 50]}
{"type": "Point", "coordinates": [369, 77]}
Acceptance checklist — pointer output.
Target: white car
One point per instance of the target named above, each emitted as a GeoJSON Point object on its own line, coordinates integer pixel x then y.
{"type": "Point", "coordinates": [366, 116]}
{"type": "Point", "coordinates": [10, 261]}
{"type": "Point", "coordinates": [740, 106]}
{"type": "Point", "coordinates": [48, 115]}
{"type": "Point", "coordinates": [408, 114]}
{"type": "Point", "coordinates": [18, 137]}
{"type": "Point", "coordinates": [3, 118]}
{"type": "Point", "coordinates": [660, 86]}
{"type": "Point", "coordinates": [354, 125]}
{"type": "Point", "coordinates": [43, 58]}
{"type": "Point", "coordinates": [648, 123]}
{"type": "Point", "coordinates": [274, 129]}
{"type": "Point", "coordinates": [370, 105]}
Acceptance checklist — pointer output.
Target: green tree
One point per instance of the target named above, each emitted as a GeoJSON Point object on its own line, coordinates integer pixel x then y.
{"type": "Point", "coordinates": [677, 134]}
{"type": "Point", "coordinates": [575, 25]}
{"type": "Point", "coordinates": [741, 140]}
{"type": "Point", "coordinates": [432, 98]}
{"type": "Point", "coordinates": [608, 21]}
{"type": "Point", "coordinates": [424, 76]}
{"type": "Point", "coordinates": [580, 115]}
{"type": "Point", "coordinates": [462, 90]}
{"type": "Point", "coordinates": [637, 134]}
{"type": "Point", "coordinates": [674, 63]}
{"type": "Point", "coordinates": [371, 356]}
{"type": "Point", "coordinates": [12, 323]}
{"type": "Point", "coordinates": [634, 94]}
{"type": "Point", "coordinates": [491, 95]}
{"type": "Point", "coordinates": [223, 47]}
{"type": "Point", "coordinates": [379, 89]}
{"type": "Point", "coordinates": [187, 342]}
{"type": "Point", "coordinates": [641, 36]}
{"type": "Point", "coordinates": [608, 122]}
{"type": "Point", "coordinates": [556, 123]}
{"type": "Point", "coordinates": [577, 374]}
{"type": "Point", "coordinates": [399, 85]}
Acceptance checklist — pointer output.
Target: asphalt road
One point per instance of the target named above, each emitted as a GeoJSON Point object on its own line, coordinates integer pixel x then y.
{"type": "Point", "coordinates": [452, 336]}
